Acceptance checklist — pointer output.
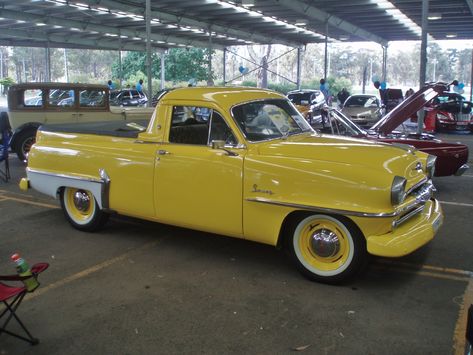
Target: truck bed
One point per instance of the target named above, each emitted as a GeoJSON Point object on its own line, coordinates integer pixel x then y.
{"type": "Point", "coordinates": [128, 129]}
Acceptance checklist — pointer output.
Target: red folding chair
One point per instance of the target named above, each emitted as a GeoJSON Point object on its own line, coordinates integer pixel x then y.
{"type": "Point", "coordinates": [11, 296]}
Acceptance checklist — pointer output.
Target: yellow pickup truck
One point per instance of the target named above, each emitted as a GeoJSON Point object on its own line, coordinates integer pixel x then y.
{"type": "Point", "coordinates": [243, 162]}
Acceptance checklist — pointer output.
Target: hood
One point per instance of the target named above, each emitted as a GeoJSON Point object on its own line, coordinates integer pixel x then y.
{"type": "Point", "coordinates": [408, 107]}
{"type": "Point", "coordinates": [364, 154]}
{"type": "Point", "coordinates": [355, 111]}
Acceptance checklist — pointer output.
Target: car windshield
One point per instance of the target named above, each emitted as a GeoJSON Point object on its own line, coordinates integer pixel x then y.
{"type": "Point", "coordinates": [335, 122]}
{"type": "Point", "coordinates": [269, 119]}
{"type": "Point", "coordinates": [360, 101]}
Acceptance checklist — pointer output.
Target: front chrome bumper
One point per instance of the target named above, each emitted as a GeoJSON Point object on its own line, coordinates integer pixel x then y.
{"type": "Point", "coordinates": [462, 169]}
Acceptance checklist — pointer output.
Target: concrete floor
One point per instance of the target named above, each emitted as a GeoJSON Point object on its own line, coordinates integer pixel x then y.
{"type": "Point", "coordinates": [139, 288]}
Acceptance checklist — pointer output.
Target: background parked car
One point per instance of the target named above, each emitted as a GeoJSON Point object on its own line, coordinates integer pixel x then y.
{"type": "Point", "coordinates": [449, 112]}
{"type": "Point", "coordinates": [127, 97]}
{"type": "Point", "coordinates": [308, 102]}
{"type": "Point", "coordinates": [452, 157]}
{"type": "Point", "coordinates": [362, 109]}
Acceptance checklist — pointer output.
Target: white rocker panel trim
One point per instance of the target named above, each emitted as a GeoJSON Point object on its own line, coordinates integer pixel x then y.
{"type": "Point", "coordinates": [50, 183]}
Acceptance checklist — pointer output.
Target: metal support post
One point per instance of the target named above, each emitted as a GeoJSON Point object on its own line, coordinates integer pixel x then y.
{"type": "Point", "coordinates": [299, 57]}
{"type": "Point", "coordinates": [326, 51]}
{"type": "Point", "coordinates": [66, 67]}
{"type": "Point", "coordinates": [471, 78]}
{"type": "Point", "coordinates": [120, 69]}
{"type": "Point", "coordinates": [148, 51]}
{"type": "Point", "coordinates": [210, 81]}
{"type": "Point", "coordinates": [385, 63]}
{"type": "Point", "coordinates": [224, 66]}
{"type": "Point", "coordinates": [48, 63]}
{"type": "Point", "coordinates": [163, 69]}
{"type": "Point", "coordinates": [423, 60]}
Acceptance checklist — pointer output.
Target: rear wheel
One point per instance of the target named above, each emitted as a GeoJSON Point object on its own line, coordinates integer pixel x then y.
{"type": "Point", "coordinates": [82, 210]}
{"type": "Point", "coordinates": [327, 249]}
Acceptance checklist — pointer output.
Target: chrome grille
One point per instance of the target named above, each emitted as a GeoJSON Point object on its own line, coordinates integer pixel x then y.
{"type": "Point", "coordinates": [422, 193]}
{"type": "Point", "coordinates": [463, 117]}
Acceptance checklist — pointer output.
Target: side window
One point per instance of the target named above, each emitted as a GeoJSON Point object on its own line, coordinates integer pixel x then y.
{"type": "Point", "coordinates": [32, 98]}
{"type": "Point", "coordinates": [92, 98]}
{"type": "Point", "coordinates": [219, 130]}
{"type": "Point", "coordinates": [61, 97]}
{"type": "Point", "coordinates": [188, 126]}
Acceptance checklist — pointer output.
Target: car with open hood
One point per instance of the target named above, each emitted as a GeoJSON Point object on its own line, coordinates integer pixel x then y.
{"type": "Point", "coordinates": [243, 162]}
{"type": "Point", "coordinates": [452, 158]}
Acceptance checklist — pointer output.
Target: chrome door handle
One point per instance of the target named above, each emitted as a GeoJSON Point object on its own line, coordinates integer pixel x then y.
{"type": "Point", "coordinates": [163, 152]}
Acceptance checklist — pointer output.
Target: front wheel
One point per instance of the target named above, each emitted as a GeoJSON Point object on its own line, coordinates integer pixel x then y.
{"type": "Point", "coordinates": [24, 142]}
{"type": "Point", "coordinates": [327, 249]}
{"type": "Point", "coordinates": [82, 210]}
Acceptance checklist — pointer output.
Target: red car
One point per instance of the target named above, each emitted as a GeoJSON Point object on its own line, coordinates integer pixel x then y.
{"type": "Point", "coordinates": [449, 112]}
{"type": "Point", "coordinates": [451, 157]}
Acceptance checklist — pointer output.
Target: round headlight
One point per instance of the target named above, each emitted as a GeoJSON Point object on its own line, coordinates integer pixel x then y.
{"type": "Point", "coordinates": [430, 165]}
{"type": "Point", "coordinates": [398, 190]}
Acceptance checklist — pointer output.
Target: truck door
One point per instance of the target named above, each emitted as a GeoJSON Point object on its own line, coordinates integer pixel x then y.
{"type": "Point", "coordinates": [197, 186]}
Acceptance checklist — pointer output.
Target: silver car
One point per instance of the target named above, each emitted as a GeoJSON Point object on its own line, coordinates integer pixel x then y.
{"type": "Point", "coordinates": [365, 110]}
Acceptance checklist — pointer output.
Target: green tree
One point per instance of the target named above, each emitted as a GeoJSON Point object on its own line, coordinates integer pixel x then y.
{"type": "Point", "coordinates": [180, 65]}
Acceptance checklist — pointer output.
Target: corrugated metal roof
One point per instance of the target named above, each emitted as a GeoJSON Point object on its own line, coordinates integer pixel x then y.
{"type": "Point", "coordinates": [113, 24]}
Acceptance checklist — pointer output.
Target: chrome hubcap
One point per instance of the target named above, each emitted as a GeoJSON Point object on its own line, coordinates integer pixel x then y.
{"type": "Point", "coordinates": [324, 243]}
{"type": "Point", "coordinates": [81, 201]}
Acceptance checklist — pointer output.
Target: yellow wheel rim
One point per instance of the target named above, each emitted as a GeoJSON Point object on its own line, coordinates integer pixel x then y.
{"type": "Point", "coordinates": [80, 204]}
{"type": "Point", "coordinates": [323, 245]}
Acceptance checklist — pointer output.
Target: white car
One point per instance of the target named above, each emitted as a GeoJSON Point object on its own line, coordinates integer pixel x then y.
{"type": "Point", "coordinates": [365, 110]}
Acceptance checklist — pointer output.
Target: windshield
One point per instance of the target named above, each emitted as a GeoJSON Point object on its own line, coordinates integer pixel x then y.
{"type": "Point", "coordinates": [269, 119]}
{"type": "Point", "coordinates": [360, 101]}
{"type": "Point", "coordinates": [335, 122]}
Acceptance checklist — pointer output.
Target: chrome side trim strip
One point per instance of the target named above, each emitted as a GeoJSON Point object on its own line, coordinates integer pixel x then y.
{"type": "Point", "coordinates": [323, 209]}
{"type": "Point", "coordinates": [63, 175]}
{"type": "Point", "coordinates": [408, 216]}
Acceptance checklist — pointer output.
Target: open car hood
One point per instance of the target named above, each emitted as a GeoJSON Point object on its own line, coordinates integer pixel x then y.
{"type": "Point", "coordinates": [408, 107]}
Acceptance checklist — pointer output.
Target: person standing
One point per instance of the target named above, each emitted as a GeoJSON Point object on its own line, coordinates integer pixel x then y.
{"type": "Point", "coordinates": [139, 86]}
{"type": "Point", "coordinates": [343, 96]}
{"type": "Point", "coordinates": [325, 91]}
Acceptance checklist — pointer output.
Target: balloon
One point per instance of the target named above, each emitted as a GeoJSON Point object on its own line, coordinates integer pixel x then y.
{"type": "Point", "coordinates": [383, 85]}
{"type": "Point", "coordinates": [377, 84]}
{"type": "Point", "coordinates": [455, 82]}
{"type": "Point", "coordinates": [374, 78]}
{"type": "Point", "coordinates": [245, 70]}
{"type": "Point", "coordinates": [461, 86]}
{"type": "Point", "coordinates": [240, 69]}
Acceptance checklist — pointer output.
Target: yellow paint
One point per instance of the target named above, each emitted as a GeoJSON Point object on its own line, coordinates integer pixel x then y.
{"type": "Point", "coordinates": [206, 189]}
